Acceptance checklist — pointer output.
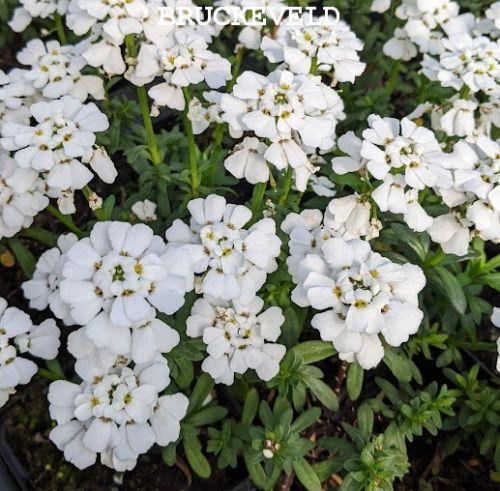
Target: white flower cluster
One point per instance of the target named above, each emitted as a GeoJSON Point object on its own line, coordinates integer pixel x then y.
{"type": "Point", "coordinates": [119, 416]}
{"type": "Point", "coordinates": [113, 283]}
{"type": "Point", "coordinates": [250, 36]}
{"type": "Point", "coordinates": [296, 112]}
{"type": "Point", "coordinates": [474, 198]}
{"type": "Point", "coordinates": [308, 47]}
{"type": "Point", "coordinates": [238, 338]}
{"type": "Point", "coordinates": [182, 59]}
{"type": "Point", "coordinates": [460, 51]}
{"type": "Point", "coordinates": [234, 262]}
{"type": "Point", "coordinates": [32, 9]}
{"type": "Point", "coordinates": [59, 145]}
{"type": "Point", "coordinates": [22, 196]}
{"type": "Point", "coordinates": [55, 70]}
{"type": "Point", "coordinates": [410, 163]}
{"type": "Point", "coordinates": [427, 21]}
{"type": "Point", "coordinates": [362, 294]}
{"type": "Point", "coordinates": [19, 336]}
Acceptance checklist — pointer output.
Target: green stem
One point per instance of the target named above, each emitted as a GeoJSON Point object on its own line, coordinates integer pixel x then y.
{"type": "Point", "coordinates": [477, 346]}
{"type": "Point", "coordinates": [66, 220]}
{"type": "Point", "coordinates": [464, 92]}
{"type": "Point", "coordinates": [436, 259]}
{"type": "Point", "coordinates": [219, 131]}
{"type": "Point", "coordinates": [259, 192]}
{"type": "Point", "coordinates": [48, 374]}
{"type": "Point", "coordinates": [61, 33]}
{"type": "Point", "coordinates": [236, 69]}
{"type": "Point", "coordinates": [188, 128]}
{"type": "Point", "coordinates": [98, 213]}
{"type": "Point", "coordinates": [154, 151]}
{"type": "Point", "coordinates": [287, 184]}
{"type": "Point", "coordinates": [393, 77]}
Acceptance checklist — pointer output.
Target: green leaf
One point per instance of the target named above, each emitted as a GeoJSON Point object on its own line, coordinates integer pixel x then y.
{"type": "Point", "coordinates": [354, 381]}
{"type": "Point", "coordinates": [291, 329]}
{"type": "Point", "coordinates": [169, 454]}
{"type": "Point", "coordinates": [207, 416]}
{"type": "Point", "coordinates": [492, 280]}
{"type": "Point", "coordinates": [306, 419]}
{"type": "Point", "coordinates": [23, 256]}
{"type": "Point", "coordinates": [365, 419]}
{"type": "Point", "coordinates": [250, 407]}
{"type": "Point", "coordinates": [398, 365]}
{"type": "Point", "coordinates": [40, 235]}
{"type": "Point", "coordinates": [314, 351]}
{"type": "Point", "coordinates": [451, 288]}
{"type": "Point", "coordinates": [108, 206]}
{"type": "Point", "coordinates": [196, 459]}
{"type": "Point", "coordinates": [306, 475]}
{"type": "Point", "coordinates": [418, 242]}
{"type": "Point", "coordinates": [324, 393]}
{"type": "Point", "coordinates": [202, 388]}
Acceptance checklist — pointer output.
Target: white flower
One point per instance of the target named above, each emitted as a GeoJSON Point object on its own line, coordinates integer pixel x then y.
{"type": "Point", "coordinates": [493, 13]}
{"type": "Point", "coordinates": [186, 56]}
{"type": "Point", "coordinates": [42, 290]}
{"type": "Point", "coordinates": [364, 295]}
{"type": "Point", "coordinates": [118, 415]}
{"type": "Point", "coordinates": [167, 94]}
{"type": "Point", "coordinates": [322, 186]}
{"type": "Point", "coordinates": [139, 343]}
{"type": "Point", "coordinates": [247, 161]}
{"type": "Point", "coordinates": [459, 120]}
{"type": "Point", "coordinates": [201, 117]}
{"type": "Point", "coordinates": [380, 6]}
{"type": "Point", "coordinates": [117, 19]}
{"type": "Point", "coordinates": [64, 127]}
{"type": "Point", "coordinates": [236, 336]}
{"type": "Point", "coordinates": [30, 9]}
{"type": "Point", "coordinates": [235, 261]}
{"type": "Point", "coordinates": [145, 210]}
{"type": "Point", "coordinates": [400, 46]}
{"type": "Point", "coordinates": [275, 106]}
{"type": "Point", "coordinates": [390, 195]}
{"type": "Point", "coordinates": [352, 213]}
{"type": "Point", "coordinates": [389, 144]}
{"type": "Point", "coordinates": [21, 196]}
{"type": "Point", "coordinates": [330, 45]}
{"type": "Point", "coordinates": [350, 144]}
{"type": "Point", "coordinates": [451, 231]}
{"type": "Point", "coordinates": [18, 335]}
{"type": "Point", "coordinates": [473, 61]}
{"type": "Point", "coordinates": [56, 70]}
{"type": "Point", "coordinates": [14, 91]}
{"type": "Point", "coordinates": [125, 271]}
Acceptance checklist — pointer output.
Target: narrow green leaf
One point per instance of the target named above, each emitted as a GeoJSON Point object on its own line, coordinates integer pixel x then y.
{"type": "Point", "coordinates": [451, 288]}
{"type": "Point", "coordinates": [195, 458]}
{"type": "Point", "coordinates": [202, 388]}
{"type": "Point", "coordinates": [324, 393]}
{"type": "Point", "coordinates": [23, 256]}
{"type": "Point", "coordinates": [354, 381]}
{"type": "Point", "coordinates": [314, 351]}
{"type": "Point", "coordinates": [306, 475]}
{"type": "Point", "coordinates": [398, 365]}
{"type": "Point", "coordinates": [306, 419]}
{"type": "Point", "coordinates": [251, 406]}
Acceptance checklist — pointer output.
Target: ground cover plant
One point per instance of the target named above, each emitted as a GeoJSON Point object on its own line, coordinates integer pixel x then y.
{"type": "Point", "coordinates": [251, 255]}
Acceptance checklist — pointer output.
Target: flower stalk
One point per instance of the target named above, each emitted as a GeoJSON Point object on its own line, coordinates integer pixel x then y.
{"type": "Point", "coordinates": [154, 150]}
{"type": "Point", "coordinates": [188, 128]}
